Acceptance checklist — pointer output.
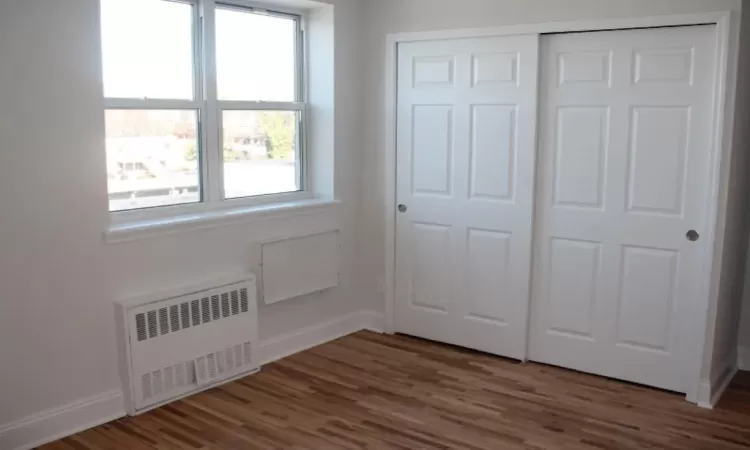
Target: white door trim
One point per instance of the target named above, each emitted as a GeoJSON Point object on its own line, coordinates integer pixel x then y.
{"type": "Point", "coordinates": [727, 49]}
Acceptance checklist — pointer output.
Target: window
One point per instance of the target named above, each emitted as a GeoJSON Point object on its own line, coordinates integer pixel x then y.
{"type": "Point", "coordinates": [203, 103]}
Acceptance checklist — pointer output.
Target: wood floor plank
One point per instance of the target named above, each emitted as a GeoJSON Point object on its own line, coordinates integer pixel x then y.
{"type": "Point", "coordinates": [371, 391]}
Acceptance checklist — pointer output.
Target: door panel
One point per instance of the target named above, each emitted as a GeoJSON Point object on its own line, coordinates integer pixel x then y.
{"type": "Point", "coordinates": [493, 152]}
{"type": "Point", "coordinates": [433, 149]}
{"type": "Point", "coordinates": [625, 122]}
{"type": "Point", "coordinates": [647, 285]}
{"type": "Point", "coordinates": [487, 271]}
{"type": "Point", "coordinates": [574, 266]}
{"type": "Point", "coordinates": [431, 253]}
{"type": "Point", "coordinates": [466, 157]}
{"type": "Point", "coordinates": [656, 176]}
{"type": "Point", "coordinates": [581, 152]}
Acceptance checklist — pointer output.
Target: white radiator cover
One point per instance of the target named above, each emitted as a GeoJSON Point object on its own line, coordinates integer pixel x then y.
{"type": "Point", "coordinates": [178, 343]}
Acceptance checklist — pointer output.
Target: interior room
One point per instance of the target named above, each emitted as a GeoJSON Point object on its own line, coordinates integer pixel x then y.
{"type": "Point", "coordinates": [382, 224]}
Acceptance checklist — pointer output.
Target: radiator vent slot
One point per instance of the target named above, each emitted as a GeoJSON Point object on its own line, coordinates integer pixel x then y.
{"type": "Point", "coordinates": [205, 309]}
{"type": "Point", "coordinates": [140, 325]}
{"type": "Point", "coordinates": [146, 386]}
{"type": "Point", "coordinates": [195, 309]}
{"type": "Point", "coordinates": [151, 315]}
{"type": "Point", "coordinates": [215, 307]}
{"type": "Point", "coordinates": [243, 300]}
{"type": "Point", "coordinates": [225, 304]}
{"type": "Point", "coordinates": [235, 303]}
{"type": "Point", "coordinates": [185, 315]}
{"type": "Point", "coordinates": [161, 321]}
{"type": "Point", "coordinates": [174, 317]}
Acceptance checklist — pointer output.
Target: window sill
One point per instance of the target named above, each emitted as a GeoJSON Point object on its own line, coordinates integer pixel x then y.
{"type": "Point", "coordinates": [144, 229]}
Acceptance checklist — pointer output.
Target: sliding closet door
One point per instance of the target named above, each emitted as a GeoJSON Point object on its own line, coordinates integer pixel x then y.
{"type": "Point", "coordinates": [466, 155]}
{"type": "Point", "coordinates": [625, 122]}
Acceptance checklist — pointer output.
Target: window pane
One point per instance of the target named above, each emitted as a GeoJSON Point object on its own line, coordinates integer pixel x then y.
{"type": "Point", "coordinates": [152, 158]}
{"type": "Point", "coordinates": [260, 153]}
{"type": "Point", "coordinates": [147, 48]}
{"type": "Point", "coordinates": [255, 56]}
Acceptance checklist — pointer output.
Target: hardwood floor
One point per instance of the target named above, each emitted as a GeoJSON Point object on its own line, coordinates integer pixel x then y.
{"type": "Point", "coordinates": [394, 392]}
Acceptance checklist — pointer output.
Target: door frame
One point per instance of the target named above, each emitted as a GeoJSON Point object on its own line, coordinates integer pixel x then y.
{"type": "Point", "coordinates": [727, 51]}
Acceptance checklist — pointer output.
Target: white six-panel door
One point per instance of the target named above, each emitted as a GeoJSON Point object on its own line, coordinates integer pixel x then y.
{"type": "Point", "coordinates": [625, 129]}
{"type": "Point", "coordinates": [466, 157]}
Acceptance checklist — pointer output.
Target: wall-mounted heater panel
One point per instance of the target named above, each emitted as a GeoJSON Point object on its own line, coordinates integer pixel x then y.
{"type": "Point", "coordinates": [299, 266]}
{"type": "Point", "coordinates": [185, 342]}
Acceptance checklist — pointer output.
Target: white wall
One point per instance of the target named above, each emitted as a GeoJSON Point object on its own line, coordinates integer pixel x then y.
{"type": "Point", "coordinates": [55, 282]}
{"type": "Point", "coordinates": [724, 321]}
{"type": "Point", "coordinates": [391, 16]}
{"type": "Point", "coordinates": [58, 278]}
{"type": "Point", "coordinates": [742, 142]}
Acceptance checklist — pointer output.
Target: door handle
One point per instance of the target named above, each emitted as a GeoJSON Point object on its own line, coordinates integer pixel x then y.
{"type": "Point", "coordinates": [402, 208]}
{"type": "Point", "coordinates": [693, 236]}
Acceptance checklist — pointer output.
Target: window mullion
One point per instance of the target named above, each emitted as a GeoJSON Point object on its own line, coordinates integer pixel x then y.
{"type": "Point", "coordinates": [240, 105]}
{"type": "Point", "coordinates": [148, 103]}
{"type": "Point", "coordinates": [212, 154]}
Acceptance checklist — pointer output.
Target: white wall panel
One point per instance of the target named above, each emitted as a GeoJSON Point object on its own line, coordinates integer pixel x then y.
{"type": "Point", "coordinates": [295, 267]}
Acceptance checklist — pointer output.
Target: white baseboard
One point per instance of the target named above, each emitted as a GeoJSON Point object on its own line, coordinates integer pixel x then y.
{"type": "Point", "coordinates": [743, 358]}
{"type": "Point", "coordinates": [710, 391]}
{"type": "Point", "coordinates": [280, 347]}
{"type": "Point", "coordinates": [62, 421]}
{"type": "Point", "coordinates": [81, 415]}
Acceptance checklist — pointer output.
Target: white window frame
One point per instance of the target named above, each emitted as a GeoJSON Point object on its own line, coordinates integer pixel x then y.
{"type": "Point", "coordinates": [209, 115]}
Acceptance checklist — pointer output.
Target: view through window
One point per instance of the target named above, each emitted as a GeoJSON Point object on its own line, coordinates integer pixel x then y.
{"type": "Point", "coordinates": [162, 103]}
